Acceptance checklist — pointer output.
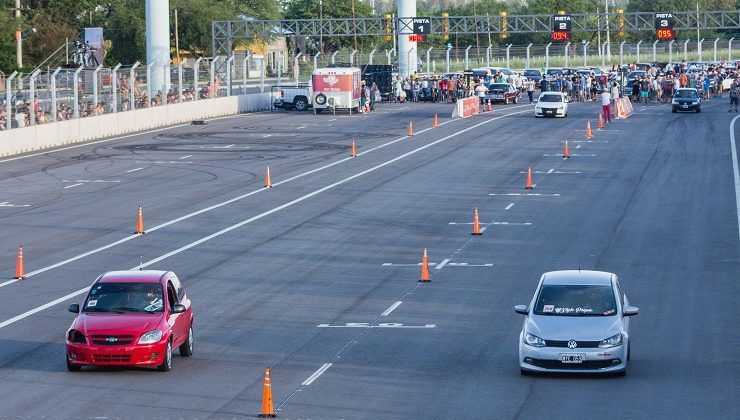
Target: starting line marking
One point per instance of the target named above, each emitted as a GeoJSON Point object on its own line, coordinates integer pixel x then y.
{"type": "Point", "coordinates": [133, 170]}
{"type": "Point", "coordinates": [577, 147]}
{"type": "Point", "coordinates": [74, 185]}
{"type": "Point", "coordinates": [382, 325]}
{"type": "Point", "coordinates": [316, 374]}
{"type": "Point", "coordinates": [9, 204]}
{"type": "Point", "coordinates": [444, 263]}
{"type": "Point", "coordinates": [392, 308]}
{"type": "Point", "coordinates": [553, 171]}
{"type": "Point", "coordinates": [496, 223]}
{"type": "Point", "coordinates": [509, 206]}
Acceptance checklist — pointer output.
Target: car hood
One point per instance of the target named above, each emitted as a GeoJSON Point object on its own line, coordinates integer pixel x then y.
{"type": "Point", "coordinates": [550, 104]}
{"type": "Point", "coordinates": [587, 328]}
{"type": "Point", "coordinates": [106, 323]}
{"type": "Point", "coordinates": [686, 99]}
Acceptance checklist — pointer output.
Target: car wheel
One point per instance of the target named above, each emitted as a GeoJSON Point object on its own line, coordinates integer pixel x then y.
{"type": "Point", "coordinates": [167, 361]}
{"type": "Point", "coordinates": [698, 110]}
{"type": "Point", "coordinates": [71, 367]}
{"type": "Point", "coordinates": [300, 103]}
{"type": "Point", "coordinates": [673, 110]}
{"type": "Point", "coordinates": [186, 348]}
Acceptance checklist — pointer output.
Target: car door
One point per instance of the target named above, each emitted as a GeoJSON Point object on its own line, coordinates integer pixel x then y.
{"type": "Point", "coordinates": [176, 321]}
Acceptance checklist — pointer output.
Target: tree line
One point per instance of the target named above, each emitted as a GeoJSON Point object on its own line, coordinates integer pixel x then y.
{"type": "Point", "coordinates": [123, 22]}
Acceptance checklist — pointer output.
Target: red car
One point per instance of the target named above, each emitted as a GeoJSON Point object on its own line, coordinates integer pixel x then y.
{"type": "Point", "coordinates": [131, 318]}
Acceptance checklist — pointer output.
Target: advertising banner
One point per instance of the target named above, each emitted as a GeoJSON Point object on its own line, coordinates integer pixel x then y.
{"type": "Point", "coordinates": [467, 107]}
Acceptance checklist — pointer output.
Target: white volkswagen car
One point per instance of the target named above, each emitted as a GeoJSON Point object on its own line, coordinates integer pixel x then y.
{"type": "Point", "coordinates": [577, 321]}
{"type": "Point", "coordinates": [551, 104]}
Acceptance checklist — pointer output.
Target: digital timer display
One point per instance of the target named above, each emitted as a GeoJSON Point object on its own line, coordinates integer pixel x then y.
{"type": "Point", "coordinates": [665, 34]}
{"type": "Point", "coordinates": [417, 38]}
{"type": "Point", "coordinates": [560, 35]}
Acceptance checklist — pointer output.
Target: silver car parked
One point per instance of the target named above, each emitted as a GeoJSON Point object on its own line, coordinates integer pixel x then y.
{"type": "Point", "coordinates": [577, 321]}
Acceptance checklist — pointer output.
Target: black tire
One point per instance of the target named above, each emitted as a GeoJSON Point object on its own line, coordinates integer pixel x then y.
{"type": "Point", "coordinates": [673, 110]}
{"type": "Point", "coordinates": [71, 367]}
{"type": "Point", "coordinates": [698, 110]}
{"type": "Point", "coordinates": [186, 348]}
{"type": "Point", "coordinates": [167, 360]}
{"type": "Point", "coordinates": [300, 103]}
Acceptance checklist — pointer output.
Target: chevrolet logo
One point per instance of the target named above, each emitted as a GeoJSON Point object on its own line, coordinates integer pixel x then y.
{"type": "Point", "coordinates": [111, 339]}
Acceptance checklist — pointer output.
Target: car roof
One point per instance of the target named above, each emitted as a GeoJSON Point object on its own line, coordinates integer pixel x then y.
{"type": "Point", "coordinates": [685, 88]}
{"type": "Point", "coordinates": [552, 93]}
{"type": "Point", "coordinates": [577, 277]}
{"type": "Point", "coordinates": [132, 276]}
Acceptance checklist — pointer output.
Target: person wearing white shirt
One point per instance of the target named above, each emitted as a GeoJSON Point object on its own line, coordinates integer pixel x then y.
{"type": "Point", "coordinates": [481, 90]}
{"type": "Point", "coordinates": [606, 99]}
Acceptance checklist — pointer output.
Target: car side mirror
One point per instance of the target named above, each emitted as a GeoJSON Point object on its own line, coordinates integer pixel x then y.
{"type": "Point", "coordinates": [629, 311]}
{"type": "Point", "coordinates": [178, 308]}
{"type": "Point", "coordinates": [74, 308]}
{"type": "Point", "coordinates": [521, 309]}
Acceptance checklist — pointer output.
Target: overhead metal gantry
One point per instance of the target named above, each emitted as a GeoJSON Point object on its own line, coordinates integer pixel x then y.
{"type": "Point", "coordinates": [224, 33]}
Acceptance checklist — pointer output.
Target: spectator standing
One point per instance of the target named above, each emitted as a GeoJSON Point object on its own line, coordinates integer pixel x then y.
{"type": "Point", "coordinates": [374, 92]}
{"type": "Point", "coordinates": [530, 90]}
{"type": "Point", "coordinates": [606, 99]}
{"type": "Point", "coordinates": [733, 95]}
{"type": "Point", "coordinates": [481, 90]}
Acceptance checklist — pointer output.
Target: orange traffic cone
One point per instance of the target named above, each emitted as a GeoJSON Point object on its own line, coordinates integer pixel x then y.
{"type": "Point", "coordinates": [424, 267]}
{"type": "Point", "coordinates": [476, 223]}
{"type": "Point", "coordinates": [435, 123]}
{"type": "Point", "coordinates": [267, 409]}
{"type": "Point", "coordinates": [411, 129]}
{"type": "Point", "coordinates": [139, 223]}
{"type": "Point", "coordinates": [268, 183]}
{"type": "Point", "coordinates": [19, 266]}
{"type": "Point", "coordinates": [566, 155]}
{"type": "Point", "coordinates": [601, 123]}
{"type": "Point", "coordinates": [490, 105]}
{"type": "Point", "coordinates": [589, 134]}
{"type": "Point", "coordinates": [529, 186]}
{"type": "Point", "coordinates": [354, 149]}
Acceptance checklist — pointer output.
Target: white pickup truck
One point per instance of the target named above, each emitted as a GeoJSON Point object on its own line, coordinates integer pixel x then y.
{"type": "Point", "coordinates": [296, 97]}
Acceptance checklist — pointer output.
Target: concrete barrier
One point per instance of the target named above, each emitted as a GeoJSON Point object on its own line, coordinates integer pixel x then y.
{"type": "Point", "coordinates": [47, 136]}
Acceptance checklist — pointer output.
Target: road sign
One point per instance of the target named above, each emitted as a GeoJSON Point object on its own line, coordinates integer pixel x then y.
{"type": "Point", "coordinates": [422, 25]}
{"type": "Point", "coordinates": [664, 23]}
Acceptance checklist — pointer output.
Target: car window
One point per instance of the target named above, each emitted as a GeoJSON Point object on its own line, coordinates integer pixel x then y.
{"type": "Point", "coordinates": [620, 293]}
{"type": "Point", "coordinates": [124, 298]}
{"type": "Point", "coordinates": [686, 94]}
{"type": "Point", "coordinates": [498, 86]}
{"type": "Point", "coordinates": [171, 296]}
{"type": "Point", "coordinates": [531, 73]}
{"type": "Point", "coordinates": [178, 287]}
{"type": "Point", "coordinates": [551, 98]}
{"type": "Point", "coordinates": [575, 300]}
{"type": "Point", "coordinates": [554, 71]}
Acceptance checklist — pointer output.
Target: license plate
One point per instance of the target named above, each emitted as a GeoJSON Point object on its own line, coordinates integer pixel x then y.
{"type": "Point", "coordinates": [498, 96]}
{"type": "Point", "coordinates": [685, 106]}
{"type": "Point", "coordinates": [572, 357]}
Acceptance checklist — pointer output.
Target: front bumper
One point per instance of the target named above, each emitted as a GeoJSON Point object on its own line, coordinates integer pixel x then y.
{"type": "Point", "coordinates": [80, 354]}
{"type": "Point", "coordinates": [549, 112]}
{"type": "Point", "coordinates": [595, 360]}
{"type": "Point", "coordinates": [685, 106]}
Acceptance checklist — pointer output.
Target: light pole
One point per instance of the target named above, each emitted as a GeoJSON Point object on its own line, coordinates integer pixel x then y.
{"type": "Point", "coordinates": [608, 42]}
{"type": "Point", "coordinates": [20, 36]}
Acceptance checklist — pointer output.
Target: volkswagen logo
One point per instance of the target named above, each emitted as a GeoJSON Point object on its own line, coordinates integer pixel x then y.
{"type": "Point", "coordinates": [572, 344]}
{"type": "Point", "coordinates": [114, 339]}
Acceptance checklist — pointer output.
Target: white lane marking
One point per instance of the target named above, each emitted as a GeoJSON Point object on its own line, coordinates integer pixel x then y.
{"type": "Point", "coordinates": [74, 185]}
{"type": "Point", "coordinates": [566, 172]}
{"type": "Point", "coordinates": [133, 170]}
{"type": "Point", "coordinates": [185, 157]}
{"type": "Point", "coordinates": [442, 264]}
{"type": "Point", "coordinates": [571, 154]}
{"type": "Point", "coordinates": [301, 127]}
{"type": "Point", "coordinates": [382, 325]}
{"type": "Point", "coordinates": [244, 222]}
{"type": "Point", "coordinates": [90, 181]}
{"type": "Point", "coordinates": [9, 204]}
{"type": "Point", "coordinates": [509, 206]}
{"type": "Point", "coordinates": [161, 161]}
{"type": "Point", "coordinates": [528, 194]}
{"type": "Point", "coordinates": [735, 171]}
{"type": "Point", "coordinates": [469, 265]}
{"type": "Point", "coordinates": [332, 119]}
{"type": "Point", "coordinates": [229, 146]}
{"type": "Point", "coordinates": [42, 307]}
{"type": "Point", "coordinates": [551, 171]}
{"type": "Point", "coordinates": [392, 308]}
{"type": "Point", "coordinates": [579, 146]}
{"type": "Point", "coordinates": [266, 136]}
{"type": "Point", "coordinates": [494, 223]}
{"type": "Point", "coordinates": [316, 374]}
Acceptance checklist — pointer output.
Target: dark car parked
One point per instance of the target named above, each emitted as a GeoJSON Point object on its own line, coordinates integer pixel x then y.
{"type": "Point", "coordinates": [686, 99]}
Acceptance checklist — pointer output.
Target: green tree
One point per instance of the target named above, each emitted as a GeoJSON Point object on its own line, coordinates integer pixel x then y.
{"type": "Point", "coordinates": [331, 9]}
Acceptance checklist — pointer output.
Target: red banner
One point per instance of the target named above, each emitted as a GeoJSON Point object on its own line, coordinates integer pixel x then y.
{"type": "Point", "coordinates": [467, 107]}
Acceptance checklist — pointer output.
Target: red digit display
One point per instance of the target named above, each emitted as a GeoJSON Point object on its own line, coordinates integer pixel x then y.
{"type": "Point", "coordinates": [560, 35]}
{"type": "Point", "coordinates": [417, 38]}
{"type": "Point", "coordinates": [665, 34]}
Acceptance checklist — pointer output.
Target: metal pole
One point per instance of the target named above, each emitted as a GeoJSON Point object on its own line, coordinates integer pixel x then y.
{"type": "Point", "coordinates": [608, 41]}
{"type": "Point", "coordinates": [655, 50]}
{"type": "Point", "coordinates": [508, 48]}
{"type": "Point", "coordinates": [18, 38]}
{"type": "Point", "coordinates": [621, 53]}
{"type": "Point", "coordinates": [75, 86]}
{"type": "Point", "coordinates": [316, 60]}
{"type": "Point", "coordinates": [638, 51]}
{"type": "Point", "coordinates": [429, 59]}
{"type": "Point", "coordinates": [447, 58]}
{"type": "Point", "coordinates": [686, 50]}
{"type": "Point", "coordinates": [280, 67]}
{"type": "Point", "coordinates": [32, 92]}
{"type": "Point", "coordinates": [95, 85]}
{"type": "Point", "coordinates": [196, 70]}
{"type": "Point", "coordinates": [670, 50]}
{"type": "Point", "coordinates": [132, 78]}
{"type": "Point", "coordinates": [714, 56]}
{"type": "Point", "coordinates": [488, 55]}
{"type": "Point", "coordinates": [114, 88]}
{"type": "Point", "coordinates": [528, 47]}
{"type": "Point", "coordinates": [9, 100]}
{"type": "Point", "coordinates": [585, 53]}
{"type": "Point", "coordinates": [370, 56]}
{"type": "Point", "coordinates": [388, 56]}
{"type": "Point", "coordinates": [149, 81]}
{"type": "Point", "coordinates": [603, 55]}
{"type": "Point", "coordinates": [352, 58]}
{"type": "Point", "coordinates": [547, 54]}
{"type": "Point", "coordinates": [729, 49]}
{"type": "Point", "coordinates": [296, 70]}
{"type": "Point", "coordinates": [229, 63]}
{"type": "Point", "coordinates": [467, 50]}
{"type": "Point", "coordinates": [567, 45]}
{"type": "Point", "coordinates": [245, 73]}
{"type": "Point", "coordinates": [699, 45]}
{"type": "Point", "coordinates": [333, 57]}
{"type": "Point", "coordinates": [212, 94]}
{"type": "Point", "coordinates": [263, 67]}
{"type": "Point", "coordinates": [53, 94]}
{"type": "Point", "coordinates": [182, 62]}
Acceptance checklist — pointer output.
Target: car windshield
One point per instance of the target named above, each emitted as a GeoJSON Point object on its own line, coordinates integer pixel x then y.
{"type": "Point", "coordinates": [498, 86]}
{"type": "Point", "coordinates": [686, 94]}
{"type": "Point", "coordinates": [125, 298]}
{"type": "Point", "coordinates": [532, 73]}
{"type": "Point", "coordinates": [551, 98]}
{"type": "Point", "coordinates": [575, 300]}
{"type": "Point", "coordinates": [554, 71]}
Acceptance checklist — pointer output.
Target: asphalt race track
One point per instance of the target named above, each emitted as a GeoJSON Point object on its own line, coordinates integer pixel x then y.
{"type": "Point", "coordinates": [317, 277]}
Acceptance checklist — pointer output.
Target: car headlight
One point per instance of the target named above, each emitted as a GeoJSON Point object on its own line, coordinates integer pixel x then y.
{"type": "Point", "coordinates": [674, 102]}
{"type": "Point", "coordinates": [695, 103]}
{"type": "Point", "coordinates": [150, 337]}
{"type": "Point", "coordinates": [533, 340]}
{"type": "Point", "coordinates": [613, 341]}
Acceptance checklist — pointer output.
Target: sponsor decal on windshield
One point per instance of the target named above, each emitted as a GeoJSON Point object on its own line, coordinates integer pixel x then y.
{"type": "Point", "coordinates": [92, 302]}
{"type": "Point", "coordinates": [578, 310]}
